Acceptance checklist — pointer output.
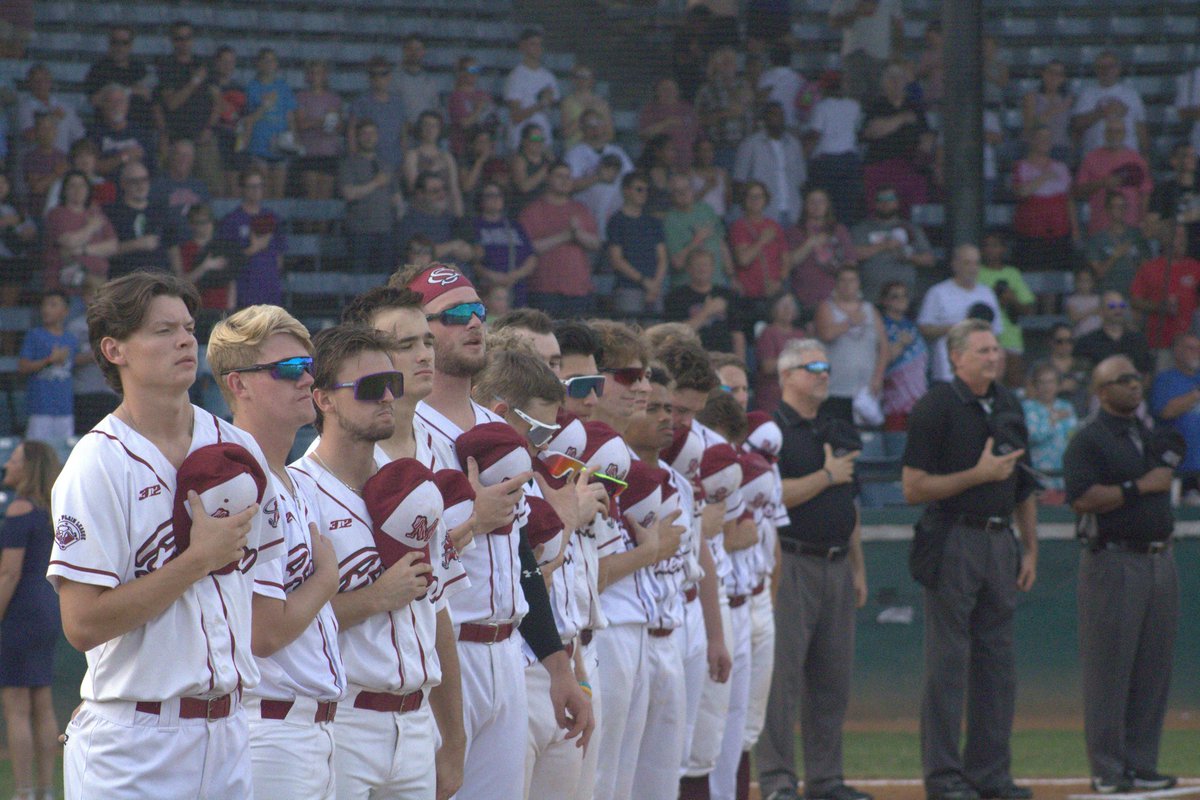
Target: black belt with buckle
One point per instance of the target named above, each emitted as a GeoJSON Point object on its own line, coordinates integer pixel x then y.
{"type": "Point", "coordinates": [830, 553]}
{"type": "Point", "coordinates": [1126, 546]}
{"type": "Point", "coordinates": [996, 524]}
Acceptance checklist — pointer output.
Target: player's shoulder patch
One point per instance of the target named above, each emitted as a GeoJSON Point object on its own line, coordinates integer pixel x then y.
{"type": "Point", "coordinates": [68, 531]}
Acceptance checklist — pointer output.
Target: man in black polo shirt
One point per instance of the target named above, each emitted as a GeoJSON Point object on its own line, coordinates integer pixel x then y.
{"type": "Point", "coordinates": [822, 581]}
{"type": "Point", "coordinates": [1118, 478]}
{"type": "Point", "coordinates": [966, 439]}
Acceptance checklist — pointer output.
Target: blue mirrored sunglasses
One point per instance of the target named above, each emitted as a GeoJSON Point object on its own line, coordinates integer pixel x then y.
{"type": "Point", "coordinates": [289, 369]}
{"type": "Point", "coordinates": [460, 314]}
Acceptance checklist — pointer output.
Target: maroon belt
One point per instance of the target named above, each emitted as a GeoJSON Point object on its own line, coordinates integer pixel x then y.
{"type": "Point", "coordinates": [386, 701]}
{"type": "Point", "coordinates": [485, 634]}
{"type": "Point", "coordinates": [209, 708]}
{"type": "Point", "coordinates": [738, 600]}
{"type": "Point", "coordinates": [690, 594]}
{"type": "Point", "coordinates": [585, 636]}
{"type": "Point", "coordinates": [757, 590]}
{"type": "Point", "coordinates": [279, 709]}
{"type": "Point", "coordinates": [660, 633]}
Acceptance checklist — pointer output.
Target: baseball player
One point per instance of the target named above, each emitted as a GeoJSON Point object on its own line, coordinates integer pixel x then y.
{"type": "Point", "coordinates": [155, 590]}
{"type": "Point", "coordinates": [507, 591]}
{"type": "Point", "coordinates": [396, 634]}
{"type": "Point", "coordinates": [263, 356]}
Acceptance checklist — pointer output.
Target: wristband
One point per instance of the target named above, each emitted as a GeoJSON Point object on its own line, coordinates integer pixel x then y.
{"type": "Point", "coordinates": [587, 688]}
{"type": "Point", "coordinates": [828, 474]}
{"type": "Point", "coordinates": [1130, 491]}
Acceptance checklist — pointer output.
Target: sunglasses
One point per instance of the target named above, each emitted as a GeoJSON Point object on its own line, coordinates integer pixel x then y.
{"type": "Point", "coordinates": [1121, 304]}
{"type": "Point", "coordinates": [474, 69]}
{"type": "Point", "coordinates": [371, 388]}
{"type": "Point", "coordinates": [581, 386]}
{"type": "Point", "coordinates": [815, 367]}
{"type": "Point", "coordinates": [628, 376]}
{"type": "Point", "coordinates": [1128, 379]}
{"type": "Point", "coordinates": [460, 314]}
{"type": "Point", "coordinates": [289, 369]}
{"type": "Point", "coordinates": [537, 137]}
{"type": "Point", "coordinates": [560, 465]}
{"type": "Point", "coordinates": [540, 433]}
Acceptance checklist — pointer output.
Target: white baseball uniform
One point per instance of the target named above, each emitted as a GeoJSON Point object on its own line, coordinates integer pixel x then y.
{"type": "Point", "coordinates": [591, 617]}
{"type": "Point", "coordinates": [390, 656]}
{"type": "Point", "coordinates": [305, 674]}
{"type": "Point", "coordinates": [112, 507]}
{"type": "Point", "coordinates": [762, 616]}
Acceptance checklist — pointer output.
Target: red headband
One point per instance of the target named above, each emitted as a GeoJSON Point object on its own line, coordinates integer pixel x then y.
{"type": "Point", "coordinates": [437, 280]}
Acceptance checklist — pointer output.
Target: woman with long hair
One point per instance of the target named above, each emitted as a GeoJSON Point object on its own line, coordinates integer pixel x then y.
{"type": "Point", "coordinates": [428, 158]}
{"type": "Point", "coordinates": [79, 239]}
{"type": "Point", "coordinates": [29, 621]}
{"type": "Point", "coordinates": [1050, 106]}
{"type": "Point", "coordinates": [820, 246]}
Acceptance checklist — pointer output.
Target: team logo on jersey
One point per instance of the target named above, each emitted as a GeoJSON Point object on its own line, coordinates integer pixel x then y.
{"type": "Point", "coordinates": [421, 531]}
{"type": "Point", "coordinates": [150, 491]}
{"type": "Point", "coordinates": [271, 510]}
{"type": "Point", "coordinates": [155, 551]}
{"type": "Point", "coordinates": [338, 524]}
{"type": "Point", "coordinates": [299, 567]}
{"type": "Point", "coordinates": [442, 276]}
{"type": "Point", "coordinates": [68, 531]}
{"type": "Point", "coordinates": [362, 568]}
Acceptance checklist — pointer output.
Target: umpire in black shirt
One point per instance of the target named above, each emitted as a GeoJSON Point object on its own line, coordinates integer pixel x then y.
{"type": "Point", "coordinates": [966, 459]}
{"type": "Point", "coordinates": [1118, 478]}
{"type": "Point", "coordinates": [822, 581]}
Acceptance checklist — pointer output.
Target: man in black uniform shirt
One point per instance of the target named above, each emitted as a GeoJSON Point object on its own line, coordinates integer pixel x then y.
{"type": "Point", "coordinates": [822, 581]}
{"type": "Point", "coordinates": [1118, 478]}
{"type": "Point", "coordinates": [966, 440]}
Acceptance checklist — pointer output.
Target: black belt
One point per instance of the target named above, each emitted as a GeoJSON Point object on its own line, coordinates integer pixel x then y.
{"type": "Point", "coordinates": [829, 553]}
{"type": "Point", "coordinates": [1126, 546]}
{"type": "Point", "coordinates": [997, 524]}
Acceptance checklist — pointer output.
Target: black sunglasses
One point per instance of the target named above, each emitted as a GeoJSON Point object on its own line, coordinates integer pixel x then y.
{"type": "Point", "coordinates": [371, 388]}
{"type": "Point", "coordinates": [628, 376]}
{"type": "Point", "coordinates": [581, 386]}
{"type": "Point", "coordinates": [540, 433]}
{"type": "Point", "coordinates": [289, 369]}
{"type": "Point", "coordinates": [460, 314]}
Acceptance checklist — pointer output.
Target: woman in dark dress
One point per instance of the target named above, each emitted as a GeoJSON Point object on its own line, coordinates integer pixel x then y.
{"type": "Point", "coordinates": [29, 620]}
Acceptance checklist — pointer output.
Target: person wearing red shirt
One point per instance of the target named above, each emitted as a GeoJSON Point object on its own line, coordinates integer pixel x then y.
{"type": "Point", "coordinates": [1114, 168]}
{"type": "Point", "coordinates": [565, 236]}
{"type": "Point", "coordinates": [1164, 289]}
{"type": "Point", "coordinates": [759, 246]}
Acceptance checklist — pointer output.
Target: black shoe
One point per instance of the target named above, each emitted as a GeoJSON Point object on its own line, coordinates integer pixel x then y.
{"type": "Point", "coordinates": [956, 793]}
{"type": "Point", "coordinates": [1149, 779]}
{"type": "Point", "coordinates": [1111, 785]}
{"type": "Point", "coordinates": [1009, 792]}
{"type": "Point", "coordinates": [839, 792]}
{"type": "Point", "coordinates": [784, 794]}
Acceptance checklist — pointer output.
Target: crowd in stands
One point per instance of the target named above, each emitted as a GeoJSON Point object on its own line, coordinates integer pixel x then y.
{"type": "Point", "coordinates": [762, 206]}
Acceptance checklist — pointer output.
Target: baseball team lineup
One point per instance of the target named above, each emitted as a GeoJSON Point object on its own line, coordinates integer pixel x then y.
{"type": "Point", "coordinates": [527, 559]}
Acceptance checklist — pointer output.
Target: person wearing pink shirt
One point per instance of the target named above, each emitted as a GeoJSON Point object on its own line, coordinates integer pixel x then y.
{"type": "Point", "coordinates": [820, 246]}
{"type": "Point", "coordinates": [1114, 167]}
{"type": "Point", "coordinates": [1045, 221]}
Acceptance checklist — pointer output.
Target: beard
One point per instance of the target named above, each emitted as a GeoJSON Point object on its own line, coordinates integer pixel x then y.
{"type": "Point", "coordinates": [456, 364]}
{"type": "Point", "coordinates": [371, 432]}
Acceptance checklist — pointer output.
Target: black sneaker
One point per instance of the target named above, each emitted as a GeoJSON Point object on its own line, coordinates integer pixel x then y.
{"type": "Point", "coordinates": [784, 794]}
{"type": "Point", "coordinates": [1119, 785]}
{"type": "Point", "coordinates": [953, 793]}
{"type": "Point", "coordinates": [1009, 792]}
{"type": "Point", "coordinates": [1149, 779]}
{"type": "Point", "coordinates": [839, 792]}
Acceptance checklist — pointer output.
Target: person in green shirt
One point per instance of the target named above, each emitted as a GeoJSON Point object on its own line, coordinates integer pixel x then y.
{"type": "Point", "coordinates": [691, 224]}
{"type": "Point", "coordinates": [1015, 299]}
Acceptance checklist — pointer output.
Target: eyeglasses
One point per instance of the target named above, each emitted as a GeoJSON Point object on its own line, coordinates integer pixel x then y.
{"type": "Point", "coordinates": [1128, 379]}
{"type": "Point", "coordinates": [628, 376]}
{"type": "Point", "coordinates": [1120, 304]}
{"type": "Point", "coordinates": [814, 367]}
{"type": "Point", "coordinates": [289, 369]}
{"type": "Point", "coordinates": [581, 386]}
{"type": "Point", "coordinates": [371, 388]}
{"type": "Point", "coordinates": [559, 465]}
{"type": "Point", "coordinates": [540, 433]}
{"type": "Point", "coordinates": [460, 314]}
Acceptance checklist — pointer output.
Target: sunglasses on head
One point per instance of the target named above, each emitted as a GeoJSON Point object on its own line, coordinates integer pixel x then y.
{"type": "Point", "coordinates": [559, 465]}
{"type": "Point", "coordinates": [371, 388]}
{"type": "Point", "coordinates": [628, 376]}
{"type": "Point", "coordinates": [460, 314]}
{"type": "Point", "coordinates": [815, 367]}
{"type": "Point", "coordinates": [540, 433]}
{"type": "Point", "coordinates": [581, 386]}
{"type": "Point", "coordinates": [1128, 379]}
{"type": "Point", "coordinates": [289, 369]}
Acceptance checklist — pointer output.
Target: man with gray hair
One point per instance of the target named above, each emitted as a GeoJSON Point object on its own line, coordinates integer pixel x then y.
{"type": "Point", "coordinates": [822, 581]}
{"type": "Point", "coordinates": [966, 459]}
{"type": "Point", "coordinates": [954, 300]}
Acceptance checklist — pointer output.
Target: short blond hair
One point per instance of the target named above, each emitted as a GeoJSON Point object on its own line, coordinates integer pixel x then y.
{"type": "Point", "coordinates": [236, 341]}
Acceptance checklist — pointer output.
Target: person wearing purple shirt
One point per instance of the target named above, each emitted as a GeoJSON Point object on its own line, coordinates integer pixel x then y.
{"type": "Point", "coordinates": [260, 235]}
{"type": "Point", "coordinates": [508, 256]}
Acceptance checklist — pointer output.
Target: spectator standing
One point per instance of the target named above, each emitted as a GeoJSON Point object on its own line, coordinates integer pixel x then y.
{"type": "Point", "coordinates": [564, 236]}
{"type": "Point", "coordinates": [119, 66]}
{"type": "Point", "coordinates": [1073, 373]}
{"type": "Point", "coordinates": [690, 50]}
{"type": "Point", "coordinates": [773, 157]}
{"type": "Point", "coordinates": [655, 161]}
{"type": "Point", "coordinates": [597, 167]}
{"type": "Point", "coordinates": [890, 248]}
{"type": "Point", "coordinates": [1187, 103]}
{"type": "Point", "coordinates": [48, 357]}
{"type": "Point", "coordinates": [1115, 337]}
{"type": "Point", "coordinates": [868, 28]}
{"type": "Point", "coordinates": [1115, 253]}
{"type": "Point", "coordinates": [951, 301]}
{"type": "Point", "coordinates": [508, 255]}
{"type": "Point", "coordinates": [418, 89]}
{"type": "Point", "coordinates": [819, 246]}
{"type": "Point", "coordinates": [1015, 300]}
{"type": "Point", "coordinates": [259, 235]}
{"type": "Point", "coordinates": [176, 187]}
{"type": "Point", "coordinates": [39, 100]}
{"type": "Point", "coordinates": [186, 103]}
{"type": "Point", "coordinates": [637, 251]}
{"type": "Point", "coordinates": [897, 139]}
{"type": "Point", "coordinates": [94, 398]}
{"type": "Point", "coordinates": [118, 138]}
{"type": "Point", "coordinates": [1051, 421]}
{"type": "Point", "coordinates": [229, 102]}
{"type": "Point", "coordinates": [18, 236]}
{"type": "Point", "coordinates": [1164, 289]}
{"type": "Point", "coordinates": [760, 250]}
{"type": "Point", "coordinates": [1176, 200]}
{"type": "Point", "coordinates": [710, 182]}
{"type": "Point", "coordinates": [783, 85]}
{"type": "Point", "coordinates": [781, 329]}
{"type": "Point", "coordinates": [530, 166]}
{"type": "Point", "coordinates": [930, 69]}
{"type": "Point", "coordinates": [320, 130]}
{"type": "Point", "coordinates": [480, 164]}
{"type": "Point", "coordinates": [271, 117]}
{"type": "Point", "coordinates": [42, 164]}
{"type": "Point", "coordinates": [712, 311]}
{"type": "Point", "coordinates": [530, 90]}
{"type": "Point", "coordinates": [667, 113]}
{"type": "Point", "coordinates": [691, 225]}
{"type": "Point", "coordinates": [1050, 106]}
{"type": "Point", "coordinates": [1045, 221]}
{"type": "Point", "coordinates": [905, 378]}
{"type": "Point", "coordinates": [372, 194]}
{"type": "Point", "coordinates": [1082, 305]}
{"type": "Point", "coordinates": [470, 107]}
{"type": "Point", "coordinates": [725, 106]}
{"type": "Point", "coordinates": [1175, 401]}
{"type": "Point", "coordinates": [581, 98]}
{"type": "Point", "coordinates": [212, 265]}
{"type": "Point", "coordinates": [144, 228]}
{"type": "Point", "coordinates": [1114, 168]}
{"type": "Point", "coordinates": [995, 75]}
{"type": "Point", "coordinates": [30, 625]}
{"type": "Point", "coordinates": [383, 106]}
{"type": "Point", "coordinates": [432, 215]}
{"type": "Point", "coordinates": [427, 157]}
{"type": "Point", "coordinates": [857, 344]}
{"type": "Point", "coordinates": [1109, 99]}
{"type": "Point", "coordinates": [78, 239]}
{"type": "Point", "coordinates": [82, 158]}
{"type": "Point", "coordinates": [834, 163]}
